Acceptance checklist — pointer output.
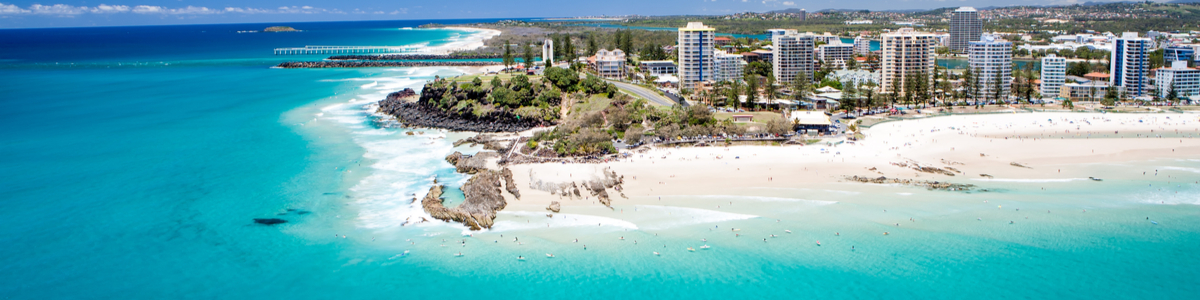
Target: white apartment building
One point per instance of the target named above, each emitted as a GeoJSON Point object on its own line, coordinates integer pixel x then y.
{"type": "Point", "coordinates": [793, 53]}
{"type": "Point", "coordinates": [772, 33]}
{"type": "Point", "coordinates": [991, 59]}
{"type": "Point", "coordinates": [695, 54]}
{"type": "Point", "coordinates": [862, 46]}
{"type": "Point", "coordinates": [1054, 75]}
{"type": "Point", "coordinates": [1185, 81]}
{"type": "Point", "coordinates": [835, 53]}
{"type": "Point", "coordinates": [610, 64]}
{"type": "Point", "coordinates": [728, 67]}
{"type": "Point", "coordinates": [965, 27]}
{"type": "Point", "coordinates": [906, 53]}
{"type": "Point", "coordinates": [1129, 65]}
{"type": "Point", "coordinates": [548, 52]}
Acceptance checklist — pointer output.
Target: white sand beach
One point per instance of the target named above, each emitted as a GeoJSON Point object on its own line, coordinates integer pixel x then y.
{"type": "Point", "coordinates": [1048, 144]}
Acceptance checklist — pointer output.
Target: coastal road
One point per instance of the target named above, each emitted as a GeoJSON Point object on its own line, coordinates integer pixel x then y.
{"type": "Point", "coordinates": [653, 96]}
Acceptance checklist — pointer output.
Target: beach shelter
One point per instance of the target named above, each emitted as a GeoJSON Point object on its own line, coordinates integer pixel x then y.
{"type": "Point", "coordinates": [811, 120]}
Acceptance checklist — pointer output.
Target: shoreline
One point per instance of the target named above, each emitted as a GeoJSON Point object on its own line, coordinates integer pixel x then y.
{"type": "Point", "coordinates": [985, 144]}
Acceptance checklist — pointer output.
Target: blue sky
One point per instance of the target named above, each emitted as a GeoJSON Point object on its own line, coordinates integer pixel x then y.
{"type": "Point", "coordinates": [73, 13]}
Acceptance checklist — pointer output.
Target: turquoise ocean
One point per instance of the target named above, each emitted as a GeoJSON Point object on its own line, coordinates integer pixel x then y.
{"type": "Point", "coordinates": [133, 160]}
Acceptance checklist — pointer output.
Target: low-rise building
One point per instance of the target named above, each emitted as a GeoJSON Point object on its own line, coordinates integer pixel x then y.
{"type": "Point", "coordinates": [659, 67]}
{"type": "Point", "coordinates": [856, 76]}
{"type": "Point", "coordinates": [722, 41]}
{"type": "Point", "coordinates": [764, 55]}
{"type": "Point", "coordinates": [1084, 91]}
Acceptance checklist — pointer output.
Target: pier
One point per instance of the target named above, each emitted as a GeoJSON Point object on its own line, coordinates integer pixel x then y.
{"type": "Point", "coordinates": [345, 50]}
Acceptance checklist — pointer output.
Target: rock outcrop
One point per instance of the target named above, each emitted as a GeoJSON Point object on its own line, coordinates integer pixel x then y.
{"type": "Point", "coordinates": [478, 211]}
{"type": "Point", "coordinates": [406, 93]}
{"type": "Point", "coordinates": [509, 184]}
{"type": "Point", "coordinates": [471, 164]}
{"type": "Point", "coordinates": [270, 221]}
{"type": "Point", "coordinates": [487, 141]}
{"type": "Point", "coordinates": [932, 185]}
{"type": "Point", "coordinates": [596, 186]}
{"type": "Point", "coordinates": [554, 206]}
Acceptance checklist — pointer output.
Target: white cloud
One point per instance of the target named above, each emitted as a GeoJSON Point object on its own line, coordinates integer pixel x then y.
{"type": "Point", "coordinates": [789, 3]}
{"type": "Point", "coordinates": [57, 9]}
{"type": "Point", "coordinates": [108, 9]}
{"type": "Point", "coordinates": [147, 9]}
{"type": "Point", "coordinates": [9, 9]}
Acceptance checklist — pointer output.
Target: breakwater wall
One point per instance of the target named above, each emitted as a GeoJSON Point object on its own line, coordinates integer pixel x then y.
{"type": "Point", "coordinates": [374, 64]}
{"type": "Point", "coordinates": [414, 56]}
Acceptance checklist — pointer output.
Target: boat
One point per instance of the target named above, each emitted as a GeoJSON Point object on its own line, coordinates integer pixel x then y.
{"type": "Point", "coordinates": [520, 258]}
{"type": "Point", "coordinates": [1095, 179]}
{"type": "Point", "coordinates": [818, 243]}
{"type": "Point", "coordinates": [788, 231]}
{"type": "Point", "coordinates": [458, 254]}
{"type": "Point", "coordinates": [691, 249]}
{"type": "Point", "coordinates": [705, 247]}
{"type": "Point", "coordinates": [549, 255]}
{"type": "Point", "coordinates": [1154, 222]}
{"type": "Point", "coordinates": [656, 253]}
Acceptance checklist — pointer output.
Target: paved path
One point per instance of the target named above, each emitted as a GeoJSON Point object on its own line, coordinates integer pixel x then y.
{"type": "Point", "coordinates": [653, 96]}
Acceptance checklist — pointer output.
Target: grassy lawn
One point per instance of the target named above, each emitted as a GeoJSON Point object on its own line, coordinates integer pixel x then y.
{"type": "Point", "coordinates": [759, 116]}
{"type": "Point", "coordinates": [487, 79]}
{"type": "Point", "coordinates": [593, 103]}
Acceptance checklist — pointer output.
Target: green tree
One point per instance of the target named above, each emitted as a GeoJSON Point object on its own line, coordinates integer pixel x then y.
{"type": "Point", "coordinates": [771, 90]}
{"type": "Point", "coordinates": [751, 90]}
{"type": "Point", "coordinates": [997, 88]}
{"type": "Point", "coordinates": [592, 47]}
{"type": "Point", "coordinates": [801, 86]}
{"type": "Point", "coordinates": [1110, 97]}
{"type": "Point", "coordinates": [508, 56]}
{"type": "Point", "coordinates": [527, 56]}
{"type": "Point", "coordinates": [895, 89]}
{"type": "Point", "coordinates": [975, 85]}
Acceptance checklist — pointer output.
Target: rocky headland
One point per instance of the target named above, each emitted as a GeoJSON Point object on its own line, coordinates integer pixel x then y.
{"type": "Point", "coordinates": [425, 112]}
